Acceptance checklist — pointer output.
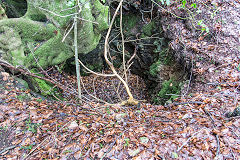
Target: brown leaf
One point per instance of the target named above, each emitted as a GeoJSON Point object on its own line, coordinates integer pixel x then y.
{"type": "Point", "coordinates": [26, 142]}
{"type": "Point", "coordinates": [211, 47]}
{"type": "Point", "coordinates": [48, 114]}
{"type": "Point", "coordinates": [5, 76]}
{"type": "Point", "coordinates": [78, 155]}
{"type": "Point", "coordinates": [83, 127]}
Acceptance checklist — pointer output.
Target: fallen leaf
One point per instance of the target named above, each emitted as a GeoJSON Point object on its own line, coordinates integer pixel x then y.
{"type": "Point", "coordinates": [5, 76]}
{"type": "Point", "coordinates": [133, 152]}
{"type": "Point", "coordinates": [144, 140]}
{"type": "Point", "coordinates": [73, 125]}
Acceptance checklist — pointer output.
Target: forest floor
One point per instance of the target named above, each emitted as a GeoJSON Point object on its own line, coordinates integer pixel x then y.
{"type": "Point", "coordinates": [191, 128]}
{"type": "Point", "coordinates": [196, 126]}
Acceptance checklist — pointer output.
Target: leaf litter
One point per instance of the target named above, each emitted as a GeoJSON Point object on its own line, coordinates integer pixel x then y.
{"type": "Point", "coordinates": [196, 126]}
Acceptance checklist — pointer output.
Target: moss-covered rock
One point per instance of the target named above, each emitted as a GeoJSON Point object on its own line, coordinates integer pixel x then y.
{"type": "Point", "coordinates": [11, 46]}
{"type": "Point", "coordinates": [42, 42]}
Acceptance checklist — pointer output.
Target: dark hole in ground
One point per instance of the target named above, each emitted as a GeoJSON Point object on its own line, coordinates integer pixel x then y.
{"type": "Point", "coordinates": [15, 8]}
{"type": "Point", "coordinates": [154, 63]}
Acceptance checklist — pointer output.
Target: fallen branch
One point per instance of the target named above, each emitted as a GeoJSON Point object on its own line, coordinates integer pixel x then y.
{"type": "Point", "coordinates": [191, 102]}
{"type": "Point", "coordinates": [27, 73]}
{"type": "Point", "coordinates": [6, 149]}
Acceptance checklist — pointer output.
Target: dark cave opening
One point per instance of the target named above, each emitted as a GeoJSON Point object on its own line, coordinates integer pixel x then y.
{"type": "Point", "coordinates": [15, 8]}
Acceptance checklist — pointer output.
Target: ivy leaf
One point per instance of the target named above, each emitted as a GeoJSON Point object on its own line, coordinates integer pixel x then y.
{"type": "Point", "coordinates": [200, 22]}
{"type": "Point", "coordinates": [184, 3]}
{"type": "Point", "coordinates": [194, 5]}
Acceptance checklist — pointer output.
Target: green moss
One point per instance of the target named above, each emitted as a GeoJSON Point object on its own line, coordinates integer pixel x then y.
{"type": "Point", "coordinates": [129, 21]}
{"type": "Point", "coordinates": [147, 29]}
{"type": "Point", "coordinates": [37, 31]}
{"type": "Point", "coordinates": [55, 6]}
{"type": "Point", "coordinates": [154, 68]}
{"type": "Point", "coordinates": [40, 85]}
{"type": "Point", "coordinates": [102, 18]}
{"type": "Point", "coordinates": [44, 87]}
{"type": "Point", "coordinates": [51, 52]}
{"type": "Point", "coordinates": [163, 58]}
{"type": "Point", "coordinates": [50, 49]}
{"type": "Point", "coordinates": [10, 42]}
{"type": "Point", "coordinates": [168, 87]}
{"type": "Point", "coordinates": [17, 56]}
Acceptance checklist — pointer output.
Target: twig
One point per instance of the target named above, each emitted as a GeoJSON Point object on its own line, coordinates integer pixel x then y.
{"type": "Point", "coordinates": [218, 145]}
{"type": "Point", "coordinates": [191, 102]}
{"type": "Point", "coordinates": [116, 90]}
{"type": "Point", "coordinates": [45, 140]}
{"type": "Point", "coordinates": [76, 58]}
{"type": "Point", "coordinates": [23, 71]}
{"type": "Point", "coordinates": [225, 83]}
{"type": "Point", "coordinates": [234, 157]}
{"type": "Point", "coordinates": [64, 37]}
{"type": "Point", "coordinates": [109, 149]}
{"type": "Point", "coordinates": [98, 74]}
{"type": "Point", "coordinates": [6, 149]}
{"type": "Point", "coordinates": [99, 100]}
{"type": "Point", "coordinates": [185, 143]}
{"type": "Point", "coordinates": [123, 46]}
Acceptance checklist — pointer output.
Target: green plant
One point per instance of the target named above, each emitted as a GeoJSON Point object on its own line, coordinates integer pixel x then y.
{"type": "Point", "coordinates": [154, 68]}
{"type": "Point", "coordinates": [101, 145]}
{"type": "Point", "coordinates": [67, 151]}
{"type": "Point", "coordinates": [39, 100]}
{"type": "Point", "coordinates": [22, 97]}
{"type": "Point", "coordinates": [28, 147]}
{"type": "Point", "coordinates": [126, 142]}
{"type": "Point", "coordinates": [169, 91]}
{"type": "Point", "coordinates": [192, 14]}
{"type": "Point", "coordinates": [203, 26]}
{"type": "Point", "coordinates": [32, 127]}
